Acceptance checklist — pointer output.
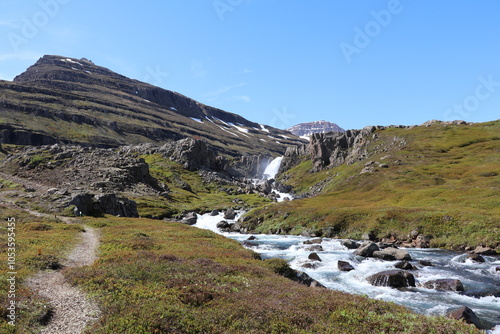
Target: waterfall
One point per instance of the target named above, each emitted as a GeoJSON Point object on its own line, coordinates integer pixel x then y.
{"type": "Point", "coordinates": [272, 169]}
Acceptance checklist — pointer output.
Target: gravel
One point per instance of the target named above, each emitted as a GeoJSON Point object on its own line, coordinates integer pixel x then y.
{"type": "Point", "coordinates": [73, 310]}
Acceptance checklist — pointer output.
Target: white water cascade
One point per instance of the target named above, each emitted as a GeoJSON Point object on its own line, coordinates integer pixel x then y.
{"type": "Point", "coordinates": [481, 280]}
{"type": "Point", "coordinates": [272, 169]}
{"type": "Point", "coordinates": [270, 173]}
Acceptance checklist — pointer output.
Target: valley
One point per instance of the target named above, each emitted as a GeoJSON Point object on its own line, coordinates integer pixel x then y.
{"type": "Point", "coordinates": [146, 168]}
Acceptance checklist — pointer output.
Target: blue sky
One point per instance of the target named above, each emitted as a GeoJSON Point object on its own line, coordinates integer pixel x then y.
{"type": "Point", "coordinates": [281, 62]}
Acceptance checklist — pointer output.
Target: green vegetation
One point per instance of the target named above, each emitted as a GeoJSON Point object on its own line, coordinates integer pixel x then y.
{"type": "Point", "coordinates": [54, 239]}
{"type": "Point", "coordinates": [160, 277]}
{"type": "Point", "coordinates": [445, 182]}
{"type": "Point", "coordinates": [189, 192]}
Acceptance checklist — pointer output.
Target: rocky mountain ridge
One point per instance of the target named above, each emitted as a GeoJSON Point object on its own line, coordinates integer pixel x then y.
{"type": "Point", "coordinates": [73, 101]}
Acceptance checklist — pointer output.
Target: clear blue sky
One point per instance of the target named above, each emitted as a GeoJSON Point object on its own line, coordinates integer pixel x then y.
{"type": "Point", "coordinates": [281, 62]}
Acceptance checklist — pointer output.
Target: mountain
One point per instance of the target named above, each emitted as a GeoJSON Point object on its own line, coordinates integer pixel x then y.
{"type": "Point", "coordinates": [306, 129]}
{"type": "Point", "coordinates": [73, 101]}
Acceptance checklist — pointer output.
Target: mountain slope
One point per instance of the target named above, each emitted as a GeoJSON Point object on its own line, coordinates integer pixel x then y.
{"type": "Point", "coordinates": [307, 129]}
{"type": "Point", "coordinates": [65, 100]}
{"type": "Point", "coordinates": [439, 179]}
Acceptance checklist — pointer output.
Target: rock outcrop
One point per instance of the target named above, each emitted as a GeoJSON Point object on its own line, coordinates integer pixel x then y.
{"type": "Point", "coordinates": [334, 149]}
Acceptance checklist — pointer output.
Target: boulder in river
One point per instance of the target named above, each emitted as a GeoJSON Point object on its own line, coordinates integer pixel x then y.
{"type": "Point", "coordinates": [314, 257]}
{"type": "Point", "coordinates": [405, 265]}
{"type": "Point", "coordinates": [392, 278]}
{"type": "Point", "coordinates": [399, 254]}
{"type": "Point", "coordinates": [313, 241]}
{"type": "Point", "coordinates": [229, 214]}
{"type": "Point", "coordinates": [344, 266]}
{"type": "Point", "coordinates": [382, 255]}
{"type": "Point", "coordinates": [314, 248]}
{"type": "Point", "coordinates": [366, 249]}
{"type": "Point", "coordinates": [476, 258]}
{"type": "Point", "coordinates": [350, 244]}
{"type": "Point", "coordinates": [190, 219]}
{"type": "Point", "coordinates": [223, 225]}
{"type": "Point", "coordinates": [445, 284]}
{"type": "Point", "coordinates": [425, 263]}
{"type": "Point", "coordinates": [465, 314]}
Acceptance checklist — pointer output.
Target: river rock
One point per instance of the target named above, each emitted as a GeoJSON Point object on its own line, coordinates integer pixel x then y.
{"type": "Point", "coordinates": [392, 278]}
{"type": "Point", "coordinates": [344, 266]}
{"type": "Point", "coordinates": [425, 263]}
{"type": "Point", "coordinates": [229, 214]}
{"type": "Point", "coordinates": [476, 258]}
{"type": "Point", "coordinates": [314, 248]}
{"type": "Point", "coordinates": [223, 225]}
{"type": "Point", "coordinates": [303, 278]}
{"type": "Point", "coordinates": [350, 244]}
{"type": "Point", "coordinates": [405, 265]}
{"type": "Point", "coordinates": [190, 219]}
{"type": "Point", "coordinates": [399, 254]}
{"type": "Point", "coordinates": [484, 251]}
{"type": "Point", "coordinates": [313, 241]}
{"type": "Point", "coordinates": [249, 243]}
{"type": "Point", "coordinates": [252, 237]}
{"type": "Point", "coordinates": [314, 257]}
{"type": "Point", "coordinates": [366, 249]}
{"type": "Point", "coordinates": [382, 255]}
{"type": "Point", "coordinates": [214, 213]}
{"type": "Point", "coordinates": [446, 284]}
{"type": "Point", "coordinates": [465, 314]}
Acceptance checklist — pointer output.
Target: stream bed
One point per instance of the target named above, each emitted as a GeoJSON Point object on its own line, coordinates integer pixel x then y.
{"type": "Point", "coordinates": [480, 280]}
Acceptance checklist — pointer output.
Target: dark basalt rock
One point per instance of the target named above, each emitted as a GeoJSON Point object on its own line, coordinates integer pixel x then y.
{"type": "Point", "coordinates": [344, 266]}
{"type": "Point", "coordinates": [465, 314]}
{"type": "Point", "coordinates": [190, 219]}
{"type": "Point", "coordinates": [229, 214]}
{"type": "Point", "coordinates": [444, 285]}
{"type": "Point", "coordinates": [305, 279]}
{"type": "Point", "coordinates": [383, 256]}
{"type": "Point", "coordinates": [392, 278]}
{"type": "Point", "coordinates": [476, 258]}
{"type": "Point", "coordinates": [313, 241]}
{"type": "Point", "coordinates": [405, 265]}
{"type": "Point", "coordinates": [367, 249]}
{"type": "Point", "coordinates": [314, 257]}
{"type": "Point", "coordinates": [91, 204]}
{"type": "Point", "coordinates": [350, 244]}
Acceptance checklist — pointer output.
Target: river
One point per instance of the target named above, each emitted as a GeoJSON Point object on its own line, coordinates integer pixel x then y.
{"type": "Point", "coordinates": [481, 280]}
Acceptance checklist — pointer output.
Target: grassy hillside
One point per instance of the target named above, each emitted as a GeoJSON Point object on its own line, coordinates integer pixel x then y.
{"type": "Point", "coordinates": [445, 182]}
{"type": "Point", "coordinates": [190, 192]}
{"type": "Point", "coordinates": [159, 277]}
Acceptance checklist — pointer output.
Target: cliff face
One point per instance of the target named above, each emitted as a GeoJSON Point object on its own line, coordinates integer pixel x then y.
{"type": "Point", "coordinates": [307, 129]}
{"type": "Point", "coordinates": [334, 149]}
{"type": "Point", "coordinates": [73, 101]}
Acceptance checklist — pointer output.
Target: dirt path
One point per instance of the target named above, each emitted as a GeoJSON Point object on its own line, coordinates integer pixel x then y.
{"type": "Point", "coordinates": [73, 310]}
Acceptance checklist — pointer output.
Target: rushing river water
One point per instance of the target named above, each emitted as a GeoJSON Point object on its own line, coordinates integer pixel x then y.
{"type": "Point", "coordinates": [481, 280]}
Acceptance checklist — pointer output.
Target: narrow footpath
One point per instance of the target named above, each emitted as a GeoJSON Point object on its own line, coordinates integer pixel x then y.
{"type": "Point", "coordinates": [73, 310]}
